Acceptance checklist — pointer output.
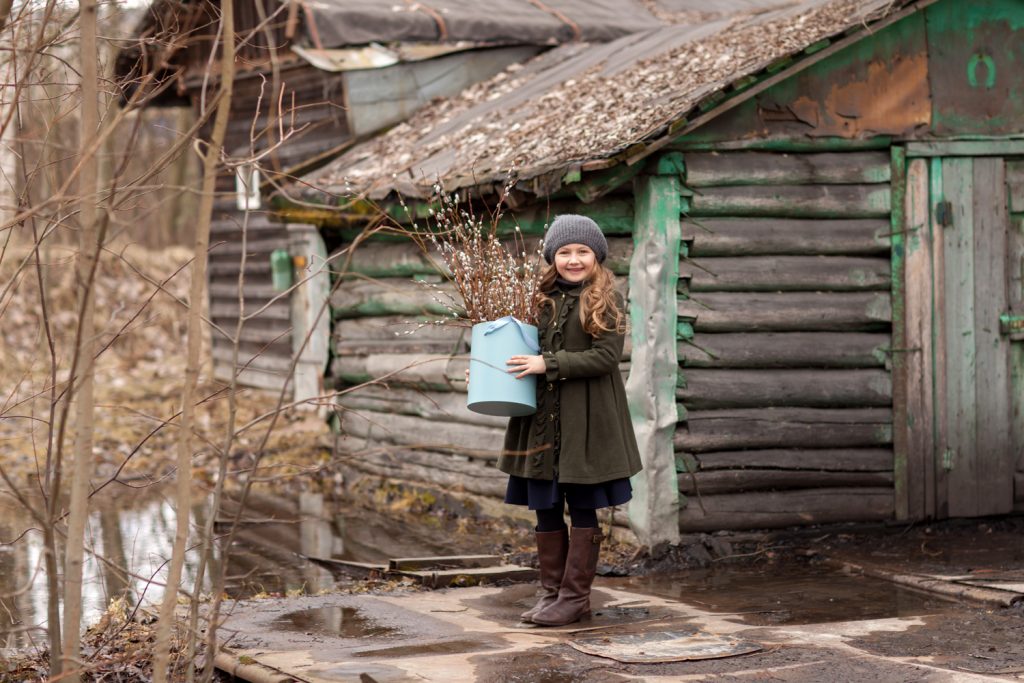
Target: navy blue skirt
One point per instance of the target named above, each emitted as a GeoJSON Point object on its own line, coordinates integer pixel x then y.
{"type": "Point", "coordinates": [543, 494]}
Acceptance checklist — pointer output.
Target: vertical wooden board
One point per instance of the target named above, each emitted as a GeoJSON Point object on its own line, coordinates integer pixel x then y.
{"type": "Point", "coordinates": [994, 462]}
{"type": "Point", "coordinates": [901, 493]}
{"type": "Point", "coordinates": [938, 360]}
{"type": "Point", "coordinates": [1016, 296]}
{"type": "Point", "coordinates": [917, 294]}
{"type": "Point", "coordinates": [958, 330]}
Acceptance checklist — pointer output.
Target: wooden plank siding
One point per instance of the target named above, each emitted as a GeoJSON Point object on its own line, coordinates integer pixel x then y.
{"type": "Point", "coordinates": [1015, 264]}
{"type": "Point", "coordinates": [785, 321]}
{"type": "Point", "coordinates": [265, 343]}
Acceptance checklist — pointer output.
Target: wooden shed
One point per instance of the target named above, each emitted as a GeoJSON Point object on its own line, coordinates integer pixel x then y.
{"type": "Point", "coordinates": [343, 70]}
{"type": "Point", "coordinates": [816, 208]}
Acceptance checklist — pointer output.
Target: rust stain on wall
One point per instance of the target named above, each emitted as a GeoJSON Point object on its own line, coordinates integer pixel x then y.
{"type": "Point", "coordinates": [892, 100]}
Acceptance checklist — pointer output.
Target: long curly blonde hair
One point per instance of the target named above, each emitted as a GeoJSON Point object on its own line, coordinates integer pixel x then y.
{"type": "Point", "coordinates": [599, 308]}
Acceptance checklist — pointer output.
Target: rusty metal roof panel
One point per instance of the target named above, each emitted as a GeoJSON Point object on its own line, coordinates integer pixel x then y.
{"type": "Point", "coordinates": [585, 102]}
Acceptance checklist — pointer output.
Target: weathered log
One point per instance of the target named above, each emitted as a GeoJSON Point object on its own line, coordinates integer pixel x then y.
{"type": "Point", "coordinates": [792, 236]}
{"type": "Point", "coordinates": [797, 201]}
{"type": "Point", "coordinates": [829, 460]}
{"type": "Point", "coordinates": [719, 388]}
{"type": "Point", "coordinates": [392, 296]}
{"type": "Point", "coordinates": [718, 430]}
{"type": "Point", "coordinates": [786, 273]}
{"type": "Point", "coordinates": [785, 349]}
{"type": "Point", "coordinates": [397, 334]}
{"type": "Point", "coordinates": [416, 433]}
{"type": "Point", "coordinates": [787, 312]}
{"type": "Point", "coordinates": [440, 469]}
{"type": "Point", "coordinates": [734, 481]}
{"type": "Point", "coordinates": [279, 310]}
{"type": "Point", "coordinates": [432, 405]}
{"type": "Point", "coordinates": [786, 508]}
{"type": "Point", "coordinates": [705, 169]}
{"type": "Point", "coordinates": [442, 373]}
{"type": "Point", "coordinates": [264, 362]}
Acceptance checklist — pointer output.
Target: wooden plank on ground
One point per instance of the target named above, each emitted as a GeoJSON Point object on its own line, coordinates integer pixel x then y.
{"type": "Point", "coordinates": [918, 277]}
{"type": "Point", "coordinates": [823, 459]}
{"type": "Point", "coordinates": [735, 481]}
{"type": "Point", "coordinates": [766, 168]}
{"type": "Point", "coordinates": [795, 201]}
{"type": "Point", "coordinates": [785, 350]}
{"type": "Point", "coordinates": [444, 562]}
{"type": "Point", "coordinates": [787, 273]}
{"type": "Point", "coordinates": [721, 388]}
{"type": "Point", "coordinates": [787, 508]}
{"type": "Point", "coordinates": [717, 430]}
{"type": "Point", "coordinates": [994, 458]}
{"type": "Point", "coordinates": [960, 334]}
{"type": "Point", "coordinates": [786, 236]}
{"type": "Point", "coordinates": [787, 311]}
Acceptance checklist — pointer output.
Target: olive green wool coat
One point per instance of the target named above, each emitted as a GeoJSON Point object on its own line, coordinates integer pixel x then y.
{"type": "Point", "coordinates": [592, 440]}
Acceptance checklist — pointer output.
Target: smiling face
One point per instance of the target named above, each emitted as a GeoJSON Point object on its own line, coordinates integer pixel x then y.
{"type": "Point", "coordinates": [575, 262]}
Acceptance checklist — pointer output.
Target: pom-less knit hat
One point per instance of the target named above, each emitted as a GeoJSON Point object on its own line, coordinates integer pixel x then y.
{"type": "Point", "coordinates": [571, 228]}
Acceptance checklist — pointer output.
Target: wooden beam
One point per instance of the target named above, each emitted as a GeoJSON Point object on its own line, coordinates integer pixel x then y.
{"type": "Point", "coordinates": [916, 420]}
{"type": "Point", "coordinates": [705, 169]}
{"type": "Point", "coordinates": [966, 148]}
{"type": "Point", "coordinates": [822, 459]}
{"type": "Point", "coordinates": [785, 350]}
{"type": "Point", "coordinates": [815, 388]}
{"type": "Point", "coordinates": [787, 273]}
{"type": "Point", "coordinates": [787, 312]}
{"type": "Point", "coordinates": [786, 236]}
{"type": "Point", "coordinates": [898, 360]}
{"type": "Point", "coordinates": [735, 481]}
{"type": "Point", "coordinates": [716, 430]}
{"type": "Point", "coordinates": [787, 508]}
{"type": "Point", "coordinates": [795, 201]}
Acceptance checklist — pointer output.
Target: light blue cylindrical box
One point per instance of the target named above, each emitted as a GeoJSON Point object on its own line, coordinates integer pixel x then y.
{"type": "Point", "coordinates": [492, 390]}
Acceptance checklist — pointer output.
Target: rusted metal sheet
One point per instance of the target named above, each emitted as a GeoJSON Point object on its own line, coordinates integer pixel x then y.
{"type": "Point", "coordinates": [878, 86]}
{"type": "Point", "coordinates": [975, 56]}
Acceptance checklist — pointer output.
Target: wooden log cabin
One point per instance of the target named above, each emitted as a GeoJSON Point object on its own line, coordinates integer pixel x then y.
{"type": "Point", "coordinates": [345, 70]}
{"type": "Point", "coordinates": [816, 208]}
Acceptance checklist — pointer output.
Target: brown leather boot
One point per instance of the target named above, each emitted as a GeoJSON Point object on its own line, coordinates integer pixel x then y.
{"type": "Point", "coordinates": [573, 601]}
{"type": "Point", "coordinates": [552, 547]}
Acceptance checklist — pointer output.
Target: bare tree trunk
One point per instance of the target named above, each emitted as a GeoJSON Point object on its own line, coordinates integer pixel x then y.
{"type": "Point", "coordinates": [88, 252]}
{"type": "Point", "coordinates": [211, 163]}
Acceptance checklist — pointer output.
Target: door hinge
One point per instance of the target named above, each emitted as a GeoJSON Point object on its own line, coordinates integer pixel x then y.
{"type": "Point", "coordinates": [1012, 326]}
{"type": "Point", "coordinates": [947, 460]}
{"type": "Point", "coordinates": [944, 214]}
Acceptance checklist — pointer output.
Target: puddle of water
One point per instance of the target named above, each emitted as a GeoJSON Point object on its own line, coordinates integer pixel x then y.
{"type": "Point", "coordinates": [786, 595]}
{"type": "Point", "coordinates": [347, 622]}
{"type": "Point", "coordinates": [444, 647]}
{"type": "Point", "coordinates": [138, 533]}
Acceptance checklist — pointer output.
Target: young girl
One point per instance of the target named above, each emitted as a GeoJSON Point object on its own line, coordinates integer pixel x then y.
{"type": "Point", "coordinates": [578, 448]}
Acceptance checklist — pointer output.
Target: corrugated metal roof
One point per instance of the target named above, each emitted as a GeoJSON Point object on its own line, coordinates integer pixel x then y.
{"type": "Point", "coordinates": [583, 102]}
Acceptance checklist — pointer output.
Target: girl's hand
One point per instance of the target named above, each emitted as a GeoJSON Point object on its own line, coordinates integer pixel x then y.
{"type": "Point", "coordinates": [526, 365]}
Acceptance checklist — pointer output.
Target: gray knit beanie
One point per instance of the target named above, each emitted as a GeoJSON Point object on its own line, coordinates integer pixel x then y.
{"type": "Point", "coordinates": [571, 228]}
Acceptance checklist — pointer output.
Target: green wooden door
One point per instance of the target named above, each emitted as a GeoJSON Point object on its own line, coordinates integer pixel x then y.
{"type": "Point", "coordinates": [973, 393]}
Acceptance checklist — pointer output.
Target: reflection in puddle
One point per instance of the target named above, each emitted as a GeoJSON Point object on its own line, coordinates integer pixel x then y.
{"type": "Point", "coordinates": [136, 533]}
{"type": "Point", "coordinates": [788, 595]}
{"type": "Point", "coordinates": [347, 622]}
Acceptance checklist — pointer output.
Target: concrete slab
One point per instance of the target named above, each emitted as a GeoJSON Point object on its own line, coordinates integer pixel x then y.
{"type": "Point", "coordinates": [473, 634]}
